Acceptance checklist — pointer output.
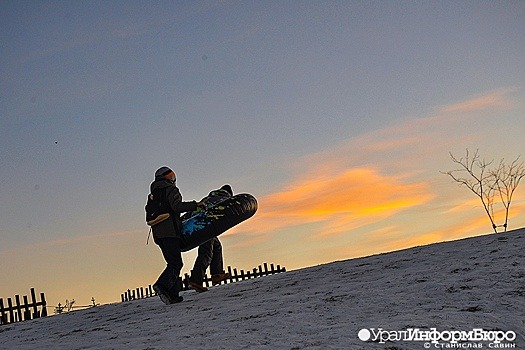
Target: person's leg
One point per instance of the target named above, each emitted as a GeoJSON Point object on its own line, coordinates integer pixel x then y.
{"type": "Point", "coordinates": [216, 264]}
{"type": "Point", "coordinates": [202, 262]}
{"type": "Point", "coordinates": [169, 278]}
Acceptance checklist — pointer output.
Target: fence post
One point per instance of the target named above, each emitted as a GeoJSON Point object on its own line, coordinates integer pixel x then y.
{"type": "Point", "coordinates": [27, 312]}
{"type": "Point", "coordinates": [231, 274]}
{"type": "Point", "coordinates": [34, 304]}
{"type": "Point", "coordinates": [18, 308]}
{"type": "Point", "coordinates": [44, 305]}
{"type": "Point", "coordinates": [3, 317]}
{"type": "Point", "coordinates": [10, 308]}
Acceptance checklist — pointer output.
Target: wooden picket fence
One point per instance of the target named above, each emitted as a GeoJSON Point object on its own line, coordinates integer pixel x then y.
{"type": "Point", "coordinates": [235, 276]}
{"type": "Point", "coordinates": [22, 311]}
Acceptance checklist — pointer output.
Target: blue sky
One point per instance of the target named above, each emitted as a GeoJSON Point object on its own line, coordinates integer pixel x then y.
{"type": "Point", "coordinates": [302, 104]}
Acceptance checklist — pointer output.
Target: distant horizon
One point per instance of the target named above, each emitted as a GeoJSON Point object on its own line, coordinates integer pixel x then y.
{"type": "Point", "coordinates": [276, 266]}
{"type": "Point", "coordinates": [447, 289]}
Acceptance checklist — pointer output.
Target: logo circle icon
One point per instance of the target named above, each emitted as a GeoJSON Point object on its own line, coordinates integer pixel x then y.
{"type": "Point", "coordinates": [364, 334]}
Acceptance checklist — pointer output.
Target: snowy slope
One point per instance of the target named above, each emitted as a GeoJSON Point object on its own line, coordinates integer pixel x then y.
{"type": "Point", "coordinates": [453, 286]}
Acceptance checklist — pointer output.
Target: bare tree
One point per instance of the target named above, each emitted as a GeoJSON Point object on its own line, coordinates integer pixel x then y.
{"type": "Point", "coordinates": [509, 178]}
{"type": "Point", "coordinates": [487, 184]}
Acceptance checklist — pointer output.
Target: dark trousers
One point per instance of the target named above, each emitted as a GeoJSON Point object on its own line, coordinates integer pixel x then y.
{"type": "Point", "coordinates": [210, 255]}
{"type": "Point", "coordinates": [169, 278]}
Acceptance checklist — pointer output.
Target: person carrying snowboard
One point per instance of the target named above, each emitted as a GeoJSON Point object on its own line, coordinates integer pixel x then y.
{"type": "Point", "coordinates": [167, 204]}
{"type": "Point", "coordinates": [210, 253]}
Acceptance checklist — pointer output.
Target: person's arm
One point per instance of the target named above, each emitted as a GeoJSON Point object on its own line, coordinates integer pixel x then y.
{"type": "Point", "coordinates": [176, 203]}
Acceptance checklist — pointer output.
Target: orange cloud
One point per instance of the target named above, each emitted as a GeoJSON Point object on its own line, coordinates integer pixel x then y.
{"type": "Point", "coordinates": [495, 99]}
{"type": "Point", "coordinates": [393, 238]}
{"type": "Point", "coordinates": [463, 227]}
{"type": "Point", "coordinates": [473, 207]}
{"type": "Point", "coordinates": [341, 188]}
{"type": "Point", "coordinates": [465, 206]}
{"type": "Point", "coordinates": [339, 203]}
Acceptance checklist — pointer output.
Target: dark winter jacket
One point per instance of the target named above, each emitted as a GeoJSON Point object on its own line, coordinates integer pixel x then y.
{"type": "Point", "coordinates": [173, 226]}
{"type": "Point", "coordinates": [212, 198]}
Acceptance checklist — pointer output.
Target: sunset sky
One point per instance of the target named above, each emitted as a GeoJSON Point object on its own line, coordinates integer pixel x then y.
{"type": "Point", "coordinates": [338, 116]}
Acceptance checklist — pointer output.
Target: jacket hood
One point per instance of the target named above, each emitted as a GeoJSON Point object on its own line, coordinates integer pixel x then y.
{"type": "Point", "coordinates": [160, 183]}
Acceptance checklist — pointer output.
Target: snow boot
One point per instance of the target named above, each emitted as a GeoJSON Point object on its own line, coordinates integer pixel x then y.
{"type": "Point", "coordinates": [218, 278]}
{"type": "Point", "coordinates": [198, 287]}
{"type": "Point", "coordinates": [165, 296]}
{"type": "Point", "coordinates": [177, 299]}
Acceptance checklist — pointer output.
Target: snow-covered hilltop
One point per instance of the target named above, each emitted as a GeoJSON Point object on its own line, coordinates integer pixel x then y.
{"type": "Point", "coordinates": [467, 290]}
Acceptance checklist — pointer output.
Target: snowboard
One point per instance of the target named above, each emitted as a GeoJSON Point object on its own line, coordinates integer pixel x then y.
{"type": "Point", "coordinates": [216, 220]}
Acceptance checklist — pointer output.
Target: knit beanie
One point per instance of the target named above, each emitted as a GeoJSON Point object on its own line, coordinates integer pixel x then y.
{"type": "Point", "coordinates": [161, 172]}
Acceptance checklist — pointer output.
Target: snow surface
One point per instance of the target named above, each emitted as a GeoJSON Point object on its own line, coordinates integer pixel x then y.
{"type": "Point", "coordinates": [453, 286]}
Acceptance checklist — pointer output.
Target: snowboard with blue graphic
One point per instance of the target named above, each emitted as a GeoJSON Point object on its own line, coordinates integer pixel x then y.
{"type": "Point", "coordinates": [216, 220]}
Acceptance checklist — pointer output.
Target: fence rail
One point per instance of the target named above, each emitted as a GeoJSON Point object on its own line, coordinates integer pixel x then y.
{"type": "Point", "coordinates": [235, 276]}
{"type": "Point", "coordinates": [22, 311]}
